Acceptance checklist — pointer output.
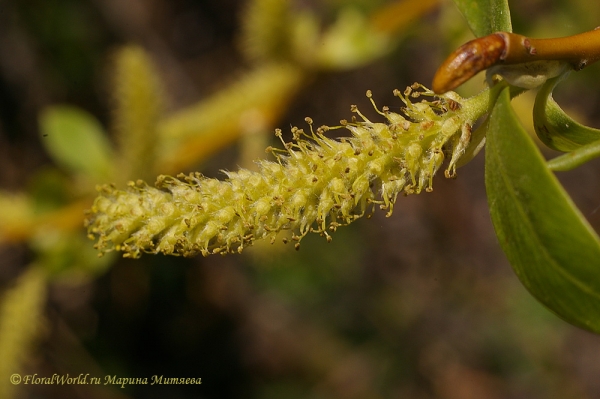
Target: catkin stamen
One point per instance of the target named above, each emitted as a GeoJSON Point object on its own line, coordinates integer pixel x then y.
{"type": "Point", "coordinates": [316, 184]}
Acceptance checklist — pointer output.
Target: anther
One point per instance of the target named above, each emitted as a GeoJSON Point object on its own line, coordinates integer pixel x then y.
{"type": "Point", "coordinates": [454, 105]}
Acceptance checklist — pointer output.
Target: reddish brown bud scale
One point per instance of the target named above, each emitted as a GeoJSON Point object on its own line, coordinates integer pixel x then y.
{"type": "Point", "coordinates": [469, 59]}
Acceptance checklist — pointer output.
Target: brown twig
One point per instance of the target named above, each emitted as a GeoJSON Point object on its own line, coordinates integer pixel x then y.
{"type": "Point", "coordinates": [504, 48]}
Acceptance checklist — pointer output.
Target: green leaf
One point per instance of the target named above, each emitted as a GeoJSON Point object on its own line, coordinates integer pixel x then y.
{"type": "Point", "coordinates": [68, 255]}
{"type": "Point", "coordinates": [76, 141]}
{"type": "Point", "coordinates": [575, 158]}
{"type": "Point", "coordinates": [551, 247]}
{"type": "Point", "coordinates": [351, 42]}
{"type": "Point", "coordinates": [554, 127]}
{"type": "Point", "coordinates": [486, 16]}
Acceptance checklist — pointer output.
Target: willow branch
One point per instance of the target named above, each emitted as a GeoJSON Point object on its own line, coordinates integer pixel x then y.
{"type": "Point", "coordinates": [504, 48]}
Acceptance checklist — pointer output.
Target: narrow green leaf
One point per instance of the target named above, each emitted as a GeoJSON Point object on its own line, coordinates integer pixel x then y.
{"type": "Point", "coordinates": [575, 158]}
{"type": "Point", "coordinates": [486, 16]}
{"type": "Point", "coordinates": [554, 127]}
{"type": "Point", "coordinates": [76, 141]}
{"type": "Point", "coordinates": [551, 247]}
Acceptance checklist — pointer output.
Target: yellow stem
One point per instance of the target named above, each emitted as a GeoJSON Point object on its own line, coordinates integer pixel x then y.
{"type": "Point", "coordinates": [579, 50]}
{"type": "Point", "coordinates": [65, 219]}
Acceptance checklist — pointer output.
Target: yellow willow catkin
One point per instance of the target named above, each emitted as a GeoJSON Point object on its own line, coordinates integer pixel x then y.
{"type": "Point", "coordinates": [315, 184]}
{"type": "Point", "coordinates": [21, 321]}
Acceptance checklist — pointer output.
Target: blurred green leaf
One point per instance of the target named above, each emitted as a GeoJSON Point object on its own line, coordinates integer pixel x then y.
{"type": "Point", "coordinates": [76, 141]}
{"type": "Point", "coordinates": [486, 16]}
{"type": "Point", "coordinates": [351, 42]}
{"type": "Point", "coordinates": [554, 127]}
{"type": "Point", "coordinates": [68, 255]}
{"type": "Point", "coordinates": [551, 247]}
{"type": "Point", "coordinates": [49, 189]}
